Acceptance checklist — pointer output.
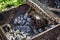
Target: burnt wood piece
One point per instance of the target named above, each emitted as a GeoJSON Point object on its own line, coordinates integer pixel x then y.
{"type": "Point", "coordinates": [40, 7]}
{"type": "Point", "coordinates": [39, 21]}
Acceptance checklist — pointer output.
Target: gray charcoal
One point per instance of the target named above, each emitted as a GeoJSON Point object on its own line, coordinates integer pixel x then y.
{"type": "Point", "coordinates": [25, 16]}
{"type": "Point", "coordinates": [15, 21]}
{"type": "Point", "coordinates": [29, 19]}
{"type": "Point", "coordinates": [28, 29]}
{"type": "Point", "coordinates": [40, 30]}
{"type": "Point", "coordinates": [19, 21]}
{"type": "Point", "coordinates": [51, 3]}
{"type": "Point", "coordinates": [35, 31]}
{"type": "Point", "coordinates": [47, 27]}
{"type": "Point", "coordinates": [25, 24]}
{"type": "Point", "coordinates": [23, 21]}
{"type": "Point", "coordinates": [19, 17]}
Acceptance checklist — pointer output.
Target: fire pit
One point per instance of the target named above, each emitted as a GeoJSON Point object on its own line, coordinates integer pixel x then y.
{"type": "Point", "coordinates": [28, 23]}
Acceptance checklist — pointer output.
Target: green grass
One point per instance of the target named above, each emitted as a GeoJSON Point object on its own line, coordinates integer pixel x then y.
{"type": "Point", "coordinates": [9, 3]}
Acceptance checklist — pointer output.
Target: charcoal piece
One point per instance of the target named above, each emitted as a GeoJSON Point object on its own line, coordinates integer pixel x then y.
{"type": "Point", "coordinates": [25, 23]}
{"type": "Point", "coordinates": [47, 27]}
{"type": "Point", "coordinates": [25, 16]}
{"type": "Point", "coordinates": [15, 21]}
{"type": "Point", "coordinates": [40, 30]}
